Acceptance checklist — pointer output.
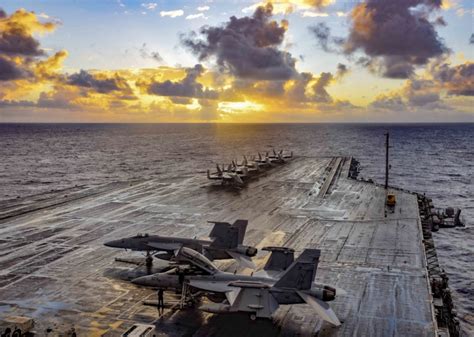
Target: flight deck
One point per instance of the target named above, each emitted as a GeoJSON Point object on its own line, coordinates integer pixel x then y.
{"type": "Point", "coordinates": [55, 269]}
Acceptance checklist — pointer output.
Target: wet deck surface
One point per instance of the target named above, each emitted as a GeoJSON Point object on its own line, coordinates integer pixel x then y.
{"type": "Point", "coordinates": [53, 266]}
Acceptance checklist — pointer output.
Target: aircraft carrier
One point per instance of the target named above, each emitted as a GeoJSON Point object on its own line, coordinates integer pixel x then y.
{"type": "Point", "coordinates": [55, 269]}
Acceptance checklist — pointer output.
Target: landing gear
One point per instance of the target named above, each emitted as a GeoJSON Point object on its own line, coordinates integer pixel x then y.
{"type": "Point", "coordinates": [148, 262]}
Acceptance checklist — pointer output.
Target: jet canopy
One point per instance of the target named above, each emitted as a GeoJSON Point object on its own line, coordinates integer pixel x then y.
{"type": "Point", "coordinates": [141, 235]}
{"type": "Point", "coordinates": [196, 259]}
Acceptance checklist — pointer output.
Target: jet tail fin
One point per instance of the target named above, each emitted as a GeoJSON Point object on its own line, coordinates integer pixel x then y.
{"type": "Point", "coordinates": [280, 258]}
{"type": "Point", "coordinates": [300, 274]}
{"type": "Point", "coordinates": [224, 235]}
{"type": "Point", "coordinates": [228, 236]}
{"type": "Point", "coordinates": [241, 226]}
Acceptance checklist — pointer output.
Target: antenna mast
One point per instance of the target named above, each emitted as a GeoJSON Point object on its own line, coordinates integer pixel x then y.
{"type": "Point", "coordinates": [387, 166]}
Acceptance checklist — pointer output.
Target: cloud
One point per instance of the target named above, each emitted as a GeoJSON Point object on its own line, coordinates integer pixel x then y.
{"type": "Point", "coordinates": [10, 71]}
{"type": "Point", "coordinates": [203, 8]}
{"type": "Point", "coordinates": [101, 85]}
{"type": "Point", "coordinates": [289, 6]}
{"type": "Point", "coordinates": [59, 98]}
{"type": "Point", "coordinates": [151, 6]}
{"type": "Point", "coordinates": [187, 87]}
{"type": "Point", "coordinates": [342, 70]}
{"type": "Point", "coordinates": [246, 47]}
{"type": "Point", "coordinates": [10, 103]}
{"type": "Point", "coordinates": [196, 16]}
{"type": "Point", "coordinates": [312, 14]}
{"type": "Point", "coordinates": [172, 14]}
{"type": "Point", "coordinates": [16, 31]}
{"type": "Point", "coordinates": [323, 36]}
{"type": "Point", "coordinates": [320, 93]}
{"type": "Point", "coordinates": [434, 90]}
{"type": "Point", "coordinates": [313, 3]}
{"type": "Point", "coordinates": [456, 80]}
{"type": "Point", "coordinates": [146, 54]}
{"type": "Point", "coordinates": [396, 35]}
{"type": "Point", "coordinates": [462, 11]}
{"type": "Point", "coordinates": [260, 79]}
{"type": "Point", "coordinates": [49, 68]}
{"type": "Point", "coordinates": [471, 39]}
{"type": "Point", "coordinates": [20, 52]}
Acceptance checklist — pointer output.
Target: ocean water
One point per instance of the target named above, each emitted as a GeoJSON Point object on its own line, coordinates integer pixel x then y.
{"type": "Point", "coordinates": [436, 159]}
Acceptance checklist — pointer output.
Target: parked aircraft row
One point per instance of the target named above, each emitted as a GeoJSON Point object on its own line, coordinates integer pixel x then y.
{"type": "Point", "coordinates": [237, 175]}
{"type": "Point", "coordinates": [283, 280]}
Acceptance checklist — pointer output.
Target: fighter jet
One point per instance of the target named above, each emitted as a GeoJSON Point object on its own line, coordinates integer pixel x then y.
{"type": "Point", "coordinates": [263, 161]}
{"type": "Point", "coordinates": [227, 176]}
{"type": "Point", "coordinates": [226, 243]}
{"type": "Point", "coordinates": [259, 296]}
{"type": "Point", "coordinates": [251, 164]}
{"type": "Point", "coordinates": [244, 168]}
{"type": "Point", "coordinates": [279, 157]}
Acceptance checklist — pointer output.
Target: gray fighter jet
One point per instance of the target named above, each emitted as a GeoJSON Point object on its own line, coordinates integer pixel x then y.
{"type": "Point", "coordinates": [226, 243]}
{"type": "Point", "coordinates": [259, 296]}
{"type": "Point", "coordinates": [279, 157]}
{"type": "Point", "coordinates": [227, 176]}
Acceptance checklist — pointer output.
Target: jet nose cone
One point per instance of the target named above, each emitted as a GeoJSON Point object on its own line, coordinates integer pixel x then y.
{"type": "Point", "coordinates": [114, 243]}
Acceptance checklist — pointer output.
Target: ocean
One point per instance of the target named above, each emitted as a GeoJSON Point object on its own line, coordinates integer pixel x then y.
{"type": "Point", "coordinates": [436, 159]}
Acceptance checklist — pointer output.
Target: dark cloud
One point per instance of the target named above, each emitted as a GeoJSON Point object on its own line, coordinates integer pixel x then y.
{"type": "Point", "coordinates": [10, 71]}
{"type": "Point", "coordinates": [419, 92]}
{"type": "Point", "coordinates": [457, 80]}
{"type": "Point", "coordinates": [19, 50]}
{"type": "Point", "coordinates": [106, 85]}
{"type": "Point", "coordinates": [147, 54]}
{"type": "Point", "coordinates": [391, 103]}
{"type": "Point", "coordinates": [320, 93]}
{"type": "Point", "coordinates": [396, 35]}
{"type": "Point", "coordinates": [187, 87]}
{"type": "Point", "coordinates": [242, 86]}
{"type": "Point", "coordinates": [471, 39]}
{"type": "Point", "coordinates": [326, 41]}
{"type": "Point", "coordinates": [18, 42]}
{"type": "Point", "coordinates": [9, 103]}
{"type": "Point", "coordinates": [297, 92]}
{"type": "Point", "coordinates": [342, 70]}
{"type": "Point", "coordinates": [247, 47]}
{"type": "Point", "coordinates": [16, 34]}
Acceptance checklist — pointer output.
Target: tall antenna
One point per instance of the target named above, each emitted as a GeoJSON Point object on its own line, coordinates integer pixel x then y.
{"type": "Point", "coordinates": [387, 166]}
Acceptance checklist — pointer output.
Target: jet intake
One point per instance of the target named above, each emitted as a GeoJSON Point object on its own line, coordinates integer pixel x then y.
{"type": "Point", "coordinates": [247, 250]}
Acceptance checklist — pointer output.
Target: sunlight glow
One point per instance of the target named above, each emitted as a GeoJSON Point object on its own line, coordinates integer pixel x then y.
{"type": "Point", "coordinates": [238, 107]}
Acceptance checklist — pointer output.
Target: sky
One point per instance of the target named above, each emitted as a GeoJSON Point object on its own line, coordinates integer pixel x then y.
{"type": "Point", "coordinates": [237, 61]}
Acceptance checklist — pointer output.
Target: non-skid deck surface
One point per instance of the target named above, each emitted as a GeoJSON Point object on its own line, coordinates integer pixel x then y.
{"type": "Point", "coordinates": [53, 266]}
